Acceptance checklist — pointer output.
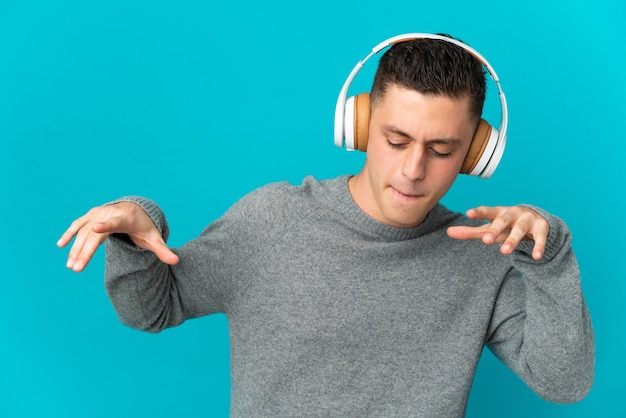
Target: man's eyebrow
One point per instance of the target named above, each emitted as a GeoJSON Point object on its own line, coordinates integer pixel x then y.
{"type": "Point", "coordinates": [446, 141]}
{"type": "Point", "coordinates": [394, 130]}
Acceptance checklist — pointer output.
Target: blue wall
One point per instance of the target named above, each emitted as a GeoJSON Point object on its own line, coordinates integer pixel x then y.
{"type": "Point", "coordinates": [194, 104]}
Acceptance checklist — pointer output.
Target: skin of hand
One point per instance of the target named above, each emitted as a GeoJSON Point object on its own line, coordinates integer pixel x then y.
{"type": "Point", "coordinates": [507, 225]}
{"type": "Point", "coordinates": [93, 228]}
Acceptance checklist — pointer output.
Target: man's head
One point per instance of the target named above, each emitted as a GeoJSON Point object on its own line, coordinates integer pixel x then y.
{"type": "Point", "coordinates": [434, 68]}
{"type": "Point", "coordinates": [426, 102]}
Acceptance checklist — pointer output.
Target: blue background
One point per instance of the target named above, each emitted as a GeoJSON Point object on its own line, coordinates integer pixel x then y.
{"type": "Point", "coordinates": [194, 103]}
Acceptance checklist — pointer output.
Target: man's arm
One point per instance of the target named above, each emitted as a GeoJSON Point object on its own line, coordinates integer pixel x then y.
{"type": "Point", "coordinates": [540, 324]}
{"type": "Point", "coordinates": [153, 287]}
{"type": "Point", "coordinates": [138, 276]}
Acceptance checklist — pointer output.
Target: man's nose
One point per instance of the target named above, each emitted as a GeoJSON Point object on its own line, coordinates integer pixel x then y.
{"type": "Point", "coordinates": [414, 163]}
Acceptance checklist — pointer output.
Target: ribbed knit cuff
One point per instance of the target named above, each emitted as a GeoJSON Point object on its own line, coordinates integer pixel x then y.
{"type": "Point", "coordinates": [556, 238]}
{"type": "Point", "coordinates": [151, 209]}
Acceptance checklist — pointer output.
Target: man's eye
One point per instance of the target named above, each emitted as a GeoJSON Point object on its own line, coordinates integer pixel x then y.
{"type": "Point", "coordinates": [396, 145]}
{"type": "Point", "coordinates": [440, 154]}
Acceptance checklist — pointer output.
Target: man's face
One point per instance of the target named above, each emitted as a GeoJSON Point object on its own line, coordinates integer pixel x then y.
{"type": "Point", "coordinates": [416, 147]}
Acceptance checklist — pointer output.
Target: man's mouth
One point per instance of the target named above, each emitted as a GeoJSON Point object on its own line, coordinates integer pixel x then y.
{"type": "Point", "coordinates": [407, 194]}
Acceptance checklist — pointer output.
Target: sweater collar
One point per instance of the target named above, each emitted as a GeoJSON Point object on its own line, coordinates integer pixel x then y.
{"type": "Point", "coordinates": [439, 217]}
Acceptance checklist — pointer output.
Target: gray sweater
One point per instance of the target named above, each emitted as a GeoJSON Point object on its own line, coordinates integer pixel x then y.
{"type": "Point", "coordinates": [332, 313]}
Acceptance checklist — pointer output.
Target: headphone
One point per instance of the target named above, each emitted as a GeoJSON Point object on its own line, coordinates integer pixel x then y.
{"type": "Point", "coordinates": [352, 115]}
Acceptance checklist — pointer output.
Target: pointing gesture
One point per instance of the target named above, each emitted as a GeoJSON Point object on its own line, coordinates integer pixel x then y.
{"type": "Point", "coordinates": [93, 228]}
{"type": "Point", "coordinates": [507, 225]}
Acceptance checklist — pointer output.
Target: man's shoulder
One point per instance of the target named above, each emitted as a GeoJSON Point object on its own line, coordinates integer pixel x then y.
{"type": "Point", "coordinates": [283, 198]}
{"type": "Point", "coordinates": [284, 191]}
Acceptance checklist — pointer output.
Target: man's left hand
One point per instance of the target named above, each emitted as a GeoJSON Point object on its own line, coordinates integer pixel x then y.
{"type": "Point", "coordinates": [507, 225]}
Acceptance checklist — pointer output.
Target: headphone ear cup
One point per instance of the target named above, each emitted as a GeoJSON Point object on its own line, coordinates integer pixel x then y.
{"type": "Point", "coordinates": [361, 121]}
{"type": "Point", "coordinates": [477, 147]}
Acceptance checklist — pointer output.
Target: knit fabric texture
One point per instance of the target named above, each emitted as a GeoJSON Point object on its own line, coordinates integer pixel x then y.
{"type": "Point", "coordinates": [333, 314]}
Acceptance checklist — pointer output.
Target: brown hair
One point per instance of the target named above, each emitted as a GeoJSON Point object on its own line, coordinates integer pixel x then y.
{"type": "Point", "coordinates": [432, 67]}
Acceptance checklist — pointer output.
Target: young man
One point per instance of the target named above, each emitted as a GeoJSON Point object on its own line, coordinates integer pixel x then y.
{"type": "Point", "coordinates": [362, 295]}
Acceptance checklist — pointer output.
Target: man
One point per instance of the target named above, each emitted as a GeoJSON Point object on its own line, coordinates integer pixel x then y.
{"type": "Point", "coordinates": [362, 295]}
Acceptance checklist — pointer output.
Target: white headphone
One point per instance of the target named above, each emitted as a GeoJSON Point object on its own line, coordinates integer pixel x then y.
{"type": "Point", "coordinates": [352, 115]}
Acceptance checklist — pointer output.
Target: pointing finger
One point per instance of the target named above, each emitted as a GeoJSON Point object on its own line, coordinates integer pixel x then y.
{"type": "Point", "coordinates": [487, 213]}
{"type": "Point", "coordinates": [72, 230]}
{"type": "Point", "coordinates": [467, 232]}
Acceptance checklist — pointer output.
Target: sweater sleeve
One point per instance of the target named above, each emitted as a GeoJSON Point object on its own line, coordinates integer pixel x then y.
{"type": "Point", "coordinates": [143, 290]}
{"type": "Point", "coordinates": [540, 325]}
{"type": "Point", "coordinates": [150, 295]}
{"type": "Point", "coordinates": [213, 270]}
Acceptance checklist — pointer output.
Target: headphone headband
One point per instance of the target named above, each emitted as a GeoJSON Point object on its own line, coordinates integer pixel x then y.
{"type": "Point", "coordinates": [497, 148]}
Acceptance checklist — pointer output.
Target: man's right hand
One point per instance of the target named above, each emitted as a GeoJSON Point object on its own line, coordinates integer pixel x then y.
{"type": "Point", "coordinates": [93, 228]}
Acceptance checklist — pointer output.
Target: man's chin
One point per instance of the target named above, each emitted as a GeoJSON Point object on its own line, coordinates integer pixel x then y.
{"type": "Point", "coordinates": [409, 215]}
{"type": "Point", "coordinates": [405, 220]}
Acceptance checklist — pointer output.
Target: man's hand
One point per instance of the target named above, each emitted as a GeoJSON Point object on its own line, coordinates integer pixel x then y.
{"type": "Point", "coordinates": [507, 225]}
{"type": "Point", "coordinates": [93, 228]}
